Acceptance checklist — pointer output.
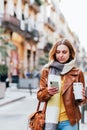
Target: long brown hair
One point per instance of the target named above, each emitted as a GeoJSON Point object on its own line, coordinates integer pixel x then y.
{"type": "Point", "coordinates": [65, 42]}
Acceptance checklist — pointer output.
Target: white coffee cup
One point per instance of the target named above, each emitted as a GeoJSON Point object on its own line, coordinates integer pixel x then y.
{"type": "Point", "coordinates": [77, 87]}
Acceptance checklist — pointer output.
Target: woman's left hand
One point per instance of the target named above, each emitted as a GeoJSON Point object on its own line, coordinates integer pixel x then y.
{"type": "Point", "coordinates": [84, 93]}
{"type": "Point", "coordinates": [83, 101]}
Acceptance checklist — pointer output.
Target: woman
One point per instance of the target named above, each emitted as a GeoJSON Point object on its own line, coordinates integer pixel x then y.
{"type": "Point", "coordinates": [56, 87]}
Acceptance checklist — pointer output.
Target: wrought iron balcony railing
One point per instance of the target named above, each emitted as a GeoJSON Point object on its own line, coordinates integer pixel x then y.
{"type": "Point", "coordinates": [50, 24]}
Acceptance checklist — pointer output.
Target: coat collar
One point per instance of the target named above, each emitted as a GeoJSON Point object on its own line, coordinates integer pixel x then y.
{"type": "Point", "coordinates": [68, 79]}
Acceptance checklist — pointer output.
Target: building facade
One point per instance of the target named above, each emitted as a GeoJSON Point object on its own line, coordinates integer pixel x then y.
{"type": "Point", "coordinates": [31, 25]}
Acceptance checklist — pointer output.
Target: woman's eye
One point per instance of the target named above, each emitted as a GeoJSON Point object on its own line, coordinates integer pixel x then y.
{"type": "Point", "coordinates": [64, 52]}
{"type": "Point", "coordinates": [57, 51]}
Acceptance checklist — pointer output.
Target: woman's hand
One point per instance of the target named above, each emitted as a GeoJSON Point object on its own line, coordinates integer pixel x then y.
{"type": "Point", "coordinates": [84, 93]}
{"type": "Point", "coordinates": [52, 90]}
{"type": "Point", "coordinates": [83, 101]}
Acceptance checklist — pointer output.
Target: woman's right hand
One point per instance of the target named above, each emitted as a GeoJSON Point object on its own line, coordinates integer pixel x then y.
{"type": "Point", "coordinates": [52, 90]}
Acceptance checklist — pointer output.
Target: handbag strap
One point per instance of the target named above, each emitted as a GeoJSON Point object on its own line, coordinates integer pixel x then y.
{"type": "Point", "coordinates": [44, 106]}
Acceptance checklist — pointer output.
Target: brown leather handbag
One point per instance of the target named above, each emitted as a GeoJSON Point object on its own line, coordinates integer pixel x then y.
{"type": "Point", "coordinates": [36, 120]}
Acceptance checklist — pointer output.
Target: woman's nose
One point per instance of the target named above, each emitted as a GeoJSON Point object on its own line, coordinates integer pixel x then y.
{"type": "Point", "coordinates": [61, 54]}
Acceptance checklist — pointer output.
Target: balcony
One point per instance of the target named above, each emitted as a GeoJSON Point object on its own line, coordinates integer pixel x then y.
{"type": "Point", "coordinates": [13, 24]}
{"type": "Point", "coordinates": [10, 21]}
{"type": "Point", "coordinates": [34, 6]}
{"type": "Point", "coordinates": [49, 23]}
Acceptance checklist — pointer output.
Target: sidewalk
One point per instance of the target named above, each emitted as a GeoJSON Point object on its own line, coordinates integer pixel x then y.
{"type": "Point", "coordinates": [83, 126]}
{"type": "Point", "coordinates": [14, 94]}
{"type": "Point", "coordinates": [11, 96]}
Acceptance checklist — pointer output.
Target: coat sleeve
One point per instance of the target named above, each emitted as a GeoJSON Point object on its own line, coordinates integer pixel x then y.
{"type": "Point", "coordinates": [81, 78]}
{"type": "Point", "coordinates": [43, 94]}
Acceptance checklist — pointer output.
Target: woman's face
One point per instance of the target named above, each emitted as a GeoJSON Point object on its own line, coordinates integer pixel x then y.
{"type": "Point", "coordinates": [62, 53]}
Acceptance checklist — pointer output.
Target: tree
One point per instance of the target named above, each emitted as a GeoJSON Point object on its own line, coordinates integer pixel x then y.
{"type": "Point", "coordinates": [5, 43]}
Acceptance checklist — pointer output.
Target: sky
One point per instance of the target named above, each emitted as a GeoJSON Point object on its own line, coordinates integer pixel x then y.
{"type": "Point", "coordinates": [75, 13]}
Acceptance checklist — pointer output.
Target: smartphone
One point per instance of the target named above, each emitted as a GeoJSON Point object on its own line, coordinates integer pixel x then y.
{"type": "Point", "coordinates": [54, 84]}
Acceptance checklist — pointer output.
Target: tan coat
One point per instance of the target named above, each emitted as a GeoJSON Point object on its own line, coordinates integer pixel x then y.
{"type": "Point", "coordinates": [71, 106]}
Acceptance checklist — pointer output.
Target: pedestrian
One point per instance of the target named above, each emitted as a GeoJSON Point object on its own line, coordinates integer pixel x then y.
{"type": "Point", "coordinates": [56, 87]}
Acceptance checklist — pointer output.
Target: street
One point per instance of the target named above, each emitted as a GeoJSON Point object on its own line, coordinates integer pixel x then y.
{"type": "Point", "coordinates": [14, 116]}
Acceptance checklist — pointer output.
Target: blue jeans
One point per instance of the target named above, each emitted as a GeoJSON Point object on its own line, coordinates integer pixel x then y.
{"type": "Point", "coordinates": [65, 125]}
